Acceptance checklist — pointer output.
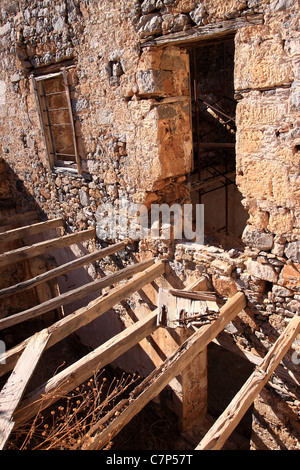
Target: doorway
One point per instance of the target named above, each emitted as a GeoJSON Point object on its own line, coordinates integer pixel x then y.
{"type": "Point", "coordinates": [213, 108]}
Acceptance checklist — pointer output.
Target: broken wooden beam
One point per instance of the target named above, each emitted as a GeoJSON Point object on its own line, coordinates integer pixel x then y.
{"type": "Point", "coordinates": [169, 369]}
{"type": "Point", "coordinates": [41, 248]}
{"type": "Point", "coordinates": [13, 390]}
{"type": "Point", "coordinates": [73, 295]}
{"type": "Point", "coordinates": [28, 230]}
{"type": "Point", "coordinates": [63, 269]}
{"type": "Point", "coordinates": [229, 419]}
{"type": "Point", "coordinates": [86, 315]}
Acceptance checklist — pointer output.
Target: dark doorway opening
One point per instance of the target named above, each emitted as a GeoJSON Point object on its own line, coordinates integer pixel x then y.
{"type": "Point", "coordinates": [213, 109]}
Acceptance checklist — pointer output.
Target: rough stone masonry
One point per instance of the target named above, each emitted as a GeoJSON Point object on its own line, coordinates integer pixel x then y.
{"type": "Point", "coordinates": [133, 131]}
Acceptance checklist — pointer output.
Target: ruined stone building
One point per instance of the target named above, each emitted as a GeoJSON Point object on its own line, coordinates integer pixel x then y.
{"type": "Point", "coordinates": [104, 103]}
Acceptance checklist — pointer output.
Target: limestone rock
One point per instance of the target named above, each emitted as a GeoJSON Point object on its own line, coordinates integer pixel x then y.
{"type": "Point", "coordinates": [292, 251]}
{"type": "Point", "coordinates": [150, 24]}
{"type": "Point", "coordinates": [262, 271]}
{"type": "Point", "coordinates": [290, 277]}
{"type": "Point", "coordinates": [198, 14]}
{"type": "Point", "coordinates": [148, 6]}
{"type": "Point", "coordinates": [257, 239]}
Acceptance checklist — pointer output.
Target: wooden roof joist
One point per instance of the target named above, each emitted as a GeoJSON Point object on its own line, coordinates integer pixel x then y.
{"type": "Point", "coordinates": [163, 374]}
{"type": "Point", "coordinates": [85, 315]}
{"type": "Point", "coordinates": [13, 390]}
{"type": "Point", "coordinates": [74, 294]}
{"type": "Point", "coordinates": [230, 418]}
{"type": "Point", "coordinates": [28, 230]}
{"type": "Point", "coordinates": [62, 269]}
{"type": "Point", "coordinates": [41, 248]}
{"type": "Point", "coordinates": [81, 370]}
{"type": "Point", "coordinates": [84, 368]}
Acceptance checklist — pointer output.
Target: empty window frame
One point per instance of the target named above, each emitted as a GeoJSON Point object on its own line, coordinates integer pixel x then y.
{"type": "Point", "coordinates": [56, 117]}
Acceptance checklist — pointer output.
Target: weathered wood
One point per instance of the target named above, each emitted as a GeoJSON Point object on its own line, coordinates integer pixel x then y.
{"type": "Point", "coordinates": [204, 33]}
{"type": "Point", "coordinates": [29, 230]}
{"type": "Point", "coordinates": [74, 294]}
{"type": "Point", "coordinates": [68, 379]}
{"type": "Point", "coordinates": [37, 249]}
{"type": "Point", "coordinates": [193, 295]}
{"type": "Point", "coordinates": [63, 269]}
{"type": "Point", "coordinates": [74, 375]}
{"type": "Point", "coordinates": [229, 419]}
{"type": "Point", "coordinates": [18, 218]}
{"type": "Point", "coordinates": [13, 390]}
{"type": "Point", "coordinates": [41, 105]}
{"type": "Point", "coordinates": [169, 369]}
{"type": "Point", "coordinates": [71, 117]}
{"type": "Point", "coordinates": [85, 315]}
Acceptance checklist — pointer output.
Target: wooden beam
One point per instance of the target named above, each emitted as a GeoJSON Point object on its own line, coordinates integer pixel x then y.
{"type": "Point", "coordinates": [74, 375]}
{"type": "Point", "coordinates": [85, 315]}
{"type": "Point", "coordinates": [18, 218]}
{"type": "Point", "coordinates": [211, 31]}
{"type": "Point", "coordinates": [68, 379]}
{"type": "Point", "coordinates": [13, 390]}
{"type": "Point", "coordinates": [37, 249]}
{"type": "Point", "coordinates": [29, 230]}
{"type": "Point", "coordinates": [63, 269]}
{"type": "Point", "coordinates": [169, 369]}
{"type": "Point", "coordinates": [74, 294]}
{"type": "Point", "coordinates": [229, 419]}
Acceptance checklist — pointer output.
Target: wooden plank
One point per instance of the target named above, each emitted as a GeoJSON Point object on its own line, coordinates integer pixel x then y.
{"type": "Point", "coordinates": [13, 390]}
{"type": "Point", "coordinates": [85, 315]}
{"type": "Point", "coordinates": [18, 218]}
{"type": "Point", "coordinates": [27, 252]}
{"type": "Point", "coordinates": [229, 419]}
{"type": "Point", "coordinates": [29, 230]}
{"type": "Point", "coordinates": [63, 269]}
{"type": "Point", "coordinates": [68, 379]}
{"type": "Point", "coordinates": [48, 76]}
{"type": "Point", "coordinates": [204, 33]}
{"type": "Point", "coordinates": [193, 295]}
{"type": "Point", "coordinates": [169, 369]}
{"type": "Point", "coordinates": [74, 375]}
{"type": "Point", "coordinates": [74, 294]}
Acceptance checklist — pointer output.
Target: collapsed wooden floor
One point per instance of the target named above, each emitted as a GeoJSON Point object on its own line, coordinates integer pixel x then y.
{"type": "Point", "coordinates": [20, 361]}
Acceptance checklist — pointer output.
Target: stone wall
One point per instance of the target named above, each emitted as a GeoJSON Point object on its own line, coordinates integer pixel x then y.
{"type": "Point", "coordinates": [131, 108]}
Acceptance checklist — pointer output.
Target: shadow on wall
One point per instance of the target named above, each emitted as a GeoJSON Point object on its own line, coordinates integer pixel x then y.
{"type": "Point", "coordinates": [14, 198]}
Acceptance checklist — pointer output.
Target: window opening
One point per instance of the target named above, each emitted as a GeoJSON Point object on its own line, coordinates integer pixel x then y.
{"type": "Point", "coordinates": [56, 117]}
{"type": "Point", "coordinates": [214, 133]}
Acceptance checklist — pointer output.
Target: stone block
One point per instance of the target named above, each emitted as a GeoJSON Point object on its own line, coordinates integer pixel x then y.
{"type": "Point", "coordinates": [292, 251]}
{"type": "Point", "coordinates": [290, 277]}
{"type": "Point", "coordinates": [222, 267]}
{"type": "Point", "coordinates": [155, 82]}
{"type": "Point", "coordinates": [224, 286]}
{"type": "Point", "coordinates": [281, 291]}
{"type": "Point", "coordinates": [262, 64]}
{"type": "Point", "coordinates": [257, 239]}
{"type": "Point", "coordinates": [262, 271]}
{"type": "Point", "coordinates": [149, 25]}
